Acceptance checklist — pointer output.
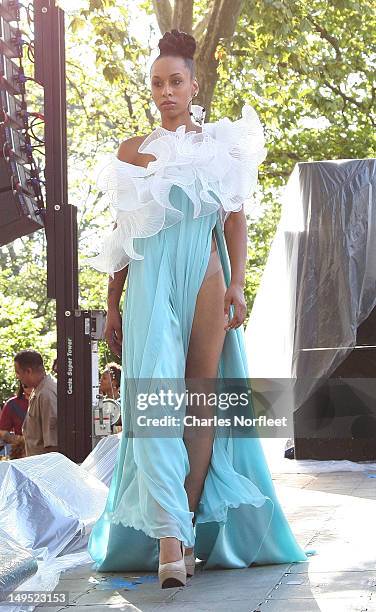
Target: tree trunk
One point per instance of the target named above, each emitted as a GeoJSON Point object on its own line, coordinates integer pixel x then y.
{"type": "Point", "coordinates": [219, 23]}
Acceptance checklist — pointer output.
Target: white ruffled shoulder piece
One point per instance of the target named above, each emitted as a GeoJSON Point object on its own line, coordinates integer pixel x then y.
{"type": "Point", "coordinates": [217, 169]}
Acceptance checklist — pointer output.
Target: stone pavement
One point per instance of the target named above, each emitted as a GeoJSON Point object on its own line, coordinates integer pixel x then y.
{"type": "Point", "coordinates": [333, 513]}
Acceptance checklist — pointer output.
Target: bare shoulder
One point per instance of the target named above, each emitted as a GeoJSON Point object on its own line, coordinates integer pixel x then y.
{"type": "Point", "coordinates": [128, 151]}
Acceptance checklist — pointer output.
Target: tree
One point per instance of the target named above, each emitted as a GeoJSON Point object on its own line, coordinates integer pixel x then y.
{"type": "Point", "coordinates": [308, 70]}
{"type": "Point", "coordinates": [27, 320]}
{"type": "Point", "coordinates": [218, 22]}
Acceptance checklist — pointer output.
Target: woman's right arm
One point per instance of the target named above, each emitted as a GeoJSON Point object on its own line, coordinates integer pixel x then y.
{"type": "Point", "coordinates": [113, 327]}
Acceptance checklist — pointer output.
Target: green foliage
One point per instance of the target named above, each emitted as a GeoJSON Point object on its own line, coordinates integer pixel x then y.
{"type": "Point", "coordinates": [27, 320]}
{"type": "Point", "coordinates": [297, 62]}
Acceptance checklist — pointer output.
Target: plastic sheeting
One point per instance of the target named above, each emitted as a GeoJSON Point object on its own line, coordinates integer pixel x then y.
{"type": "Point", "coordinates": [46, 500]}
{"type": "Point", "coordinates": [319, 283]}
{"type": "Point", "coordinates": [16, 564]}
{"type": "Point", "coordinates": [49, 504]}
{"type": "Point", "coordinates": [47, 578]}
{"type": "Point", "coordinates": [102, 459]}
{"type": "Point", "coordinates": [274, 453]}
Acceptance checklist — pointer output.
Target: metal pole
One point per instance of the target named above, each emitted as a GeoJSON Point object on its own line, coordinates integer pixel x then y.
{"type": "Point", "coordinates": [73, 325]}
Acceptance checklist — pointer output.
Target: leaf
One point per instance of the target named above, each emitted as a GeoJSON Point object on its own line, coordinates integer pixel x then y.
{"type": "Point", "coordinates": [76, 24]}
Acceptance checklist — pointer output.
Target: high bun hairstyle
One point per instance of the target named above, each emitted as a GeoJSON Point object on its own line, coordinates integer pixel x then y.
{"type": "Point", "coordinates": [179, 44]}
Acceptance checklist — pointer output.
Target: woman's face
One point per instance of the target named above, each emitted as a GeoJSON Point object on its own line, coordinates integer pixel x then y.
{"type": "Point", "coordinates": [107, 386]}
{"type": "Point", "coordinates": [27, 391]}
{"type": "Point", "coordinates": [172, 87]}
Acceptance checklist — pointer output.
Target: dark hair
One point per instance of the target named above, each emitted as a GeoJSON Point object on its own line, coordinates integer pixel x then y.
{"type": "Point", "coordinates": [29, 358]}
{"type": "Point", "coordinates": [115, 372]}
{"type": "Point", "coordinates": [20, 390]}
{"type": "Point", "coordinates": [178, 44]}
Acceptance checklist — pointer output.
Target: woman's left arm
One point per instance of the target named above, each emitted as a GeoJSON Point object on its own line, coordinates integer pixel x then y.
{"type": "Point", "coordinates": [235, 231]}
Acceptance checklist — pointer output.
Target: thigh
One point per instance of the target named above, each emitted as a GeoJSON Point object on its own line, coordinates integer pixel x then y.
{"type": "Point", "coordinates": [208, 333]}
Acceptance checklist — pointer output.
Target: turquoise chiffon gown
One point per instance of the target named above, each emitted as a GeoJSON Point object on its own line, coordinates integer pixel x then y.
{"type": "Point", "coordinates": [239, 520]}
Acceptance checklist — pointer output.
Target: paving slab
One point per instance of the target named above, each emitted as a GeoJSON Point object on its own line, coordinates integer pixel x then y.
{"type": "Point", "coordinates": [315, 605]}
{"type": "Point", "coordinates": [330, 513]}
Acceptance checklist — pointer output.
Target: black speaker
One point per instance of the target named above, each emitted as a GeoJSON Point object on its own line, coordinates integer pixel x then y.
{"type": "Point", "coordinates": [21, 202]}
{"type": "Point", "coordinates": [19, 212]}
{"type": "Point", "coordinates": [338, 420]}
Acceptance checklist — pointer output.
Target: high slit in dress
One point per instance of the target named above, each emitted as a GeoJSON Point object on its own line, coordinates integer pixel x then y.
{"type": "Point", "coordinates": [214, 264]}
{"type": "Point", "coordinates": [167, 217]}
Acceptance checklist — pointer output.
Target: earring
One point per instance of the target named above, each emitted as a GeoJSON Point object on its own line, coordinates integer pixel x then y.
{"type": "Point", "coordinates": [198, 113]}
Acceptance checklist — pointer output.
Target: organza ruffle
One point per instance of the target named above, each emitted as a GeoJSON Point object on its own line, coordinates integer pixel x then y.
{"type": "Point", "coordinates": [216, 168]}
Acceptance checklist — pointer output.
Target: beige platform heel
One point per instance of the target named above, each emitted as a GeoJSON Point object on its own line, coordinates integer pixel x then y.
{"type": "Point", "coordinates": [174, 573]}
{"type": "Point", "coordinates": [190, 563]}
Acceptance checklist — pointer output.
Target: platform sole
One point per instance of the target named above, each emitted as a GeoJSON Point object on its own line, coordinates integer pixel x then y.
{"type": "Point", "coordinates": [172, 579]}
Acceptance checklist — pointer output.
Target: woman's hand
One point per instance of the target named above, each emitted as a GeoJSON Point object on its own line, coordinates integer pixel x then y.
{"type": "Point", "coordinates": [113, 331]}
{"type": "Point", "coordinates": [235, 295]}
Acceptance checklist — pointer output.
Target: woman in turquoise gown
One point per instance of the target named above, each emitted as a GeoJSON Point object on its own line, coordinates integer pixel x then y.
{"type": "Point", "coordinates": [170, 234]}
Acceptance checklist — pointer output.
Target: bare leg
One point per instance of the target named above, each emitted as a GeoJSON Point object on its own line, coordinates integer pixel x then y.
{"type": "Point", "coordinates": [205, 347]}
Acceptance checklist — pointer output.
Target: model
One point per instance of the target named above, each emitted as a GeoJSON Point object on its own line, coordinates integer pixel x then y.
{"type": "Point", "coordinates": [183, 488]}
